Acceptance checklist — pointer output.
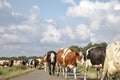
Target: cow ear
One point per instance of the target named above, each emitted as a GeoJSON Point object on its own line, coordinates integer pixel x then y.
{"type": "Point", "coordinates": [77, 54]}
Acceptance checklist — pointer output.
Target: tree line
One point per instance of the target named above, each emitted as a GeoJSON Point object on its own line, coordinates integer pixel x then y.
{"type": "Point", "coordinates": [19, 57]}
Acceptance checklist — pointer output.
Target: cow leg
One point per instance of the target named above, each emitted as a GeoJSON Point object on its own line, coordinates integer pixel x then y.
{"type": "Point", "coordinates": [58, 69]}
{"type": "Point", "coordinates": [104, 73]}
{"type": "Point", "coordinates": [49, 65]}
{"type": "Point", "coordinates": [63, 70]}
{"type": "Point", "coordinates": [45, 67]}
{"type": "Point", "coordinates": [53, 69]}
{"type": "Point", "coordinates": [85, 71]}
{"type": "Point", "coordinates": [98, 72]}
{"type": "Point", "coordinates": [66, 73]}
{"type": "Point", "coordinates": [74, 71]}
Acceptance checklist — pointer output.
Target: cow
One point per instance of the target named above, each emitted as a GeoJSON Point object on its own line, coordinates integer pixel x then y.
{"type": "Point", "coordinates": [112, 61]}
{"type": "Point", "coordinates": [95, 57]}
{"type": "Point", "coordinates": [44, 62]}
{"type": "Point", "coordinates": [6, 63]}
{"type": "Point", "coordinates": [24, 61]}
{"type": "Point", "coordinates": [51, 61]}
{"type": "Point", "coordinates": [17, 62]}
{"type": "Point", "coordinates": [39, 60]}
{"type": "Point", "coordinates": [67, 58]}
{"type": "Point", "coordinates": [33, 63]}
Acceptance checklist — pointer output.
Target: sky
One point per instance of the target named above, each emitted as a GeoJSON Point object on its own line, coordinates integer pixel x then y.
{"type": "Point", "coordinates": [34, 27]}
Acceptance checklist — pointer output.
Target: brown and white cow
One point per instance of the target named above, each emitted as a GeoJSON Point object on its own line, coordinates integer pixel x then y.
{"type": "Point", "coordinates": [112, 61]}
{"type": "Point", "coordinates": [67, 58]}
{"type": "Point", "coordinates": [6, 63]}
{"type": "Point", "coordinates": [44, 62]}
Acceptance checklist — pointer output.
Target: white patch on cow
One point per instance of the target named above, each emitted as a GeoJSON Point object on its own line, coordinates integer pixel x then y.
{"type": "Point", "coordinates": [82, 60]}
{"type": "Point", "coordinates": [88, 63]}
{"type": "Point", "coordinates": [111, 68]}
{"type": "Point", "coordinates": [52, 57]}
{"type": "Point", "coordinates": [65, 52]}
{"type": "Point", "coordinates": [77, 61]}
{"type": "Point", "coordinates": [89, 49]}
{"type": "Point", "coordinates": [70, 66]}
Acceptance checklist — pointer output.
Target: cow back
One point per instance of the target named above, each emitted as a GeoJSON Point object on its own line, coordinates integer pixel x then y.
{"type": "Point", "coordinates": [70, 57]}
{"type": "Point", "coordinates": [51, 57]}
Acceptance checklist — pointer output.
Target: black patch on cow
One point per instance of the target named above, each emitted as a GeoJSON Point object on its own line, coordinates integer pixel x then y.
{"type": "Point", "coordinates": [97, 55]}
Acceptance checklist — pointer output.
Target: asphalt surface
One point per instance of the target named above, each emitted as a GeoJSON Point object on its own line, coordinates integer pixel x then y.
{"type": "Point", "coordinates": [42, 75]}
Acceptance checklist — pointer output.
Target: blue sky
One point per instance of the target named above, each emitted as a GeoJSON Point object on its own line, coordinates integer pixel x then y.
{"type": "Point", "coordinates": [33, 27]}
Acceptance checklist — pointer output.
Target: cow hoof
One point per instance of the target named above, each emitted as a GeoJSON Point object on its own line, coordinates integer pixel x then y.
{"type": "Point", "coordinates": [50, 74]}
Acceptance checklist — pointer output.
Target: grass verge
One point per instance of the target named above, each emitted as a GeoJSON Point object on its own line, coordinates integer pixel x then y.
{"type": "Point", "coordinates": [8, 73]}
{"type": "Point", "coordinates": [90, 74]}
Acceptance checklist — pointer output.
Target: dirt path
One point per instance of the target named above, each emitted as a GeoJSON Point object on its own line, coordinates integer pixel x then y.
{"type": "Point", "coordinates": [41, 75]}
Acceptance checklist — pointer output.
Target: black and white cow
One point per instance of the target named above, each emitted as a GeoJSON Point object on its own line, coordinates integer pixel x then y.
{"type": "Point", "coordinates": [24, 61]}
{"type": "Point", "coordinates": [33, 63]}
{"type": "Point", "coordinates": [95, 57]}
{"type": "Point", "coordinates": [51, 61]}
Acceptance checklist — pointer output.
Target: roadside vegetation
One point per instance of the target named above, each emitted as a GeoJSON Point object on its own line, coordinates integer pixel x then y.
{"type": "Point", "coordinates": [14, 71]}
{"type": "Point", "coordinates": [90, 74]}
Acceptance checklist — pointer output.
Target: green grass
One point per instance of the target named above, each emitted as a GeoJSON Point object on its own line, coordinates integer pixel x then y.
{"type": "Point", "coordinates": [91, 73]}
{"type": "Point", "coordinates": [13, 71]}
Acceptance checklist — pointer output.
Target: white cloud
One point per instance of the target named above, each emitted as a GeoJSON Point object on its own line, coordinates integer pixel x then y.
{"type": "Point", "coordinates": [50, 21]}
{"type": "Point", "coordinates": [12, 47]}
{"type": "Point", "coordinates": [12, 38]}
{"type": "Point", "coordinates": [87, 8]}
{"type": "Point", "coordinates": [117, 7]}
{"type": "Point", "coordinates": [68, 31]}
{"type": "Point", "coordinates": [83, 32]}
{"type": "Point", "coordinates": [102, 19]}
{"type": "Point", "coordinates": [95, 25]}
{"type": "Point", "coordinates": [4, 4]}
{"type": "Point", "coordinates": [34, 13]}
{"type": "Point", "coordinates": [115, 19]}
{"type": "Point", "coordinates": [51, 35]}
{"type": "Point", "coordinates": [1, 30]}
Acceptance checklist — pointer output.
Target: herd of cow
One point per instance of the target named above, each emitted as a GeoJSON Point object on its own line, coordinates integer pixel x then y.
{"type": "Point", "coordinates": [9, 63]}
{"type": "Point", "coordinates": [106, 59]}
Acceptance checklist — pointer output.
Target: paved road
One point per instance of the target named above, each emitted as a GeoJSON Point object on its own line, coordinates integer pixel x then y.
{"type": "Point", "coordinates": [41, 75]}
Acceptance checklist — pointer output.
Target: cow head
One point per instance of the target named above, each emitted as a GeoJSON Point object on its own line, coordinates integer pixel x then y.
{"type": "Point", "coordinates": [79, 57]}
{"type": "Point", "coordinates": [43, 60]}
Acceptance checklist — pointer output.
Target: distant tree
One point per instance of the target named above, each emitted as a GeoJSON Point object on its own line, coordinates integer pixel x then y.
{"type": "Point", "coordinates": [75, 48]}
{"type": "Point", "coordinates": [22, 57]}
{"type": "Point", "coordinates": [33, 57]}
{"type": "Point", "coordinates": [94, 45]}
{"type": "Point", "coordinates": [14, 58]}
